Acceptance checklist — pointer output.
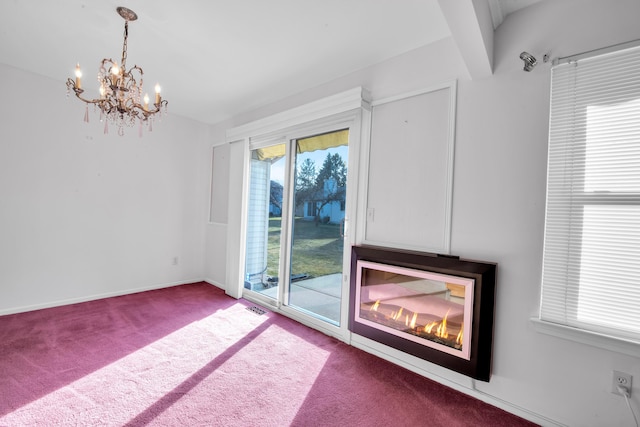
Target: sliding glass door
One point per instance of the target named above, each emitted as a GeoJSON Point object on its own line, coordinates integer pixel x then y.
{"type": "Point", "coordinates": [296, 224]}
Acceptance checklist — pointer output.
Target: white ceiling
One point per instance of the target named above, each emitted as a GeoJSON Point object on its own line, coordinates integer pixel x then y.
{"type": "Point", "coordinates": [215, 59]}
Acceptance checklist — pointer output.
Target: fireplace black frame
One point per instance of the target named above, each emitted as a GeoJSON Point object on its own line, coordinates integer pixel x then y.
{"type": "Point", "coordinates": [484, 275]}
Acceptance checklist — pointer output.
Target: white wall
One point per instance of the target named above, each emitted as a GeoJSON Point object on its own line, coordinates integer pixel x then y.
{"type": "Point", "coordinates": [499, 196]}
{"type": "Point", "coordinates": [83, 214]}
{"type": "Point", "coordinates": [501, 173]}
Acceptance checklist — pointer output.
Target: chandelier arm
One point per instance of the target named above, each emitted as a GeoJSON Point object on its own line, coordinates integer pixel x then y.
{"type": "Point", "coordinates": [107, 61]}
{"type": "Point", "coordinates": [139, 70]}
{"type": "Point", "coordinates": [78, 92]}
{"type": "Point", "coordinates": [130, 82]}
{"type": "Point", "coordinates": [148, 112]}
{"type": "Point", "coordinates": [89, 101]}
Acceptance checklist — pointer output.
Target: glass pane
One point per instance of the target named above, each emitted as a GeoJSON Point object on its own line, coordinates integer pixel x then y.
{"type": "Point", "coordinates": [416, 305]}
{"type": "Point", "coordinates": [317, 242]}
{"type": "Point", "coordinates": [612, 161]}
{"type": "Point", "coordinates": [609, 268]}
{"type": "Point", "coordinates": [264, 220]}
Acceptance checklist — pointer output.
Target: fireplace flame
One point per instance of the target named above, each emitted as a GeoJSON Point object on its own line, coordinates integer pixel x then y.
{"type": "Point", "coordinates": [429, 326]}
{"type": "Point", "coordinates": [375, 306]}
{"type": "Point", "coordinates": [442, 327]}
{"type": "Point", "coordinates": [459, 337]}
{"type": "Point", "coordinates": [414, 320]}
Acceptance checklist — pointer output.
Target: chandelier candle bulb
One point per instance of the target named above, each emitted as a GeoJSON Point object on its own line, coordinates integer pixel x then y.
{"type": "Point", "coordinates": [114, 74]}
{"type": "Point", "coordinates": [158, 99]}
{"type": "Point", "coordinates": [146, 101]}
{"type": "Point", "coordinates": [78, 77]}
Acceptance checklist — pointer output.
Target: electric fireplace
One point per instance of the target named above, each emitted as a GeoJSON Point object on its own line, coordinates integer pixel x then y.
{"type": "Point", "coordinates": [436, 307]}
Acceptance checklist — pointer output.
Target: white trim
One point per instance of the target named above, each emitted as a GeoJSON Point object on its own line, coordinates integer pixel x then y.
{"type": "Point", "coordinates": [451, 134]}
{"type": "Point", "coordinates": [218, 144]}
{"type": "Point", "coordinates": [59, 303]}
{"type": "Point", "coordinates": [217, 223]}
{"type": "Point", "coordinates": [422, 91]}
{"type": "Point", "coordinates": [345, 110]}
{"type": "Point", "coordinates": [351, 120]}
{"type": "Point", "coordinates": [214, 283]}
{"type": "Point", "coordinates": [447, 378]}
{"type": "Point", "coordinates": [236, 217]}
{"type": "Point", "coordinates": [212, 159]}
{"type": "Point", "coordinates": [342, 108]}
{"type": "Point", "coordinates": [594, 339]}
{"type": "Point", "coordinates": [363, 179]}
{"type": "Point", "coordinates": [338, 103]}
{"type": "Point", "coordinates": [342, 120]}
{"type": "Point", "coordinates": [443, 247]}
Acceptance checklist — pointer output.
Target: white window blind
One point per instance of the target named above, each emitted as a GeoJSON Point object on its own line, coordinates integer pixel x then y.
{"type": "Point", "coordinates": [591, 262]}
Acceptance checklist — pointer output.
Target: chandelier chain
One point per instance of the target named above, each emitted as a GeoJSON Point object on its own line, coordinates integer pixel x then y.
{"type": "Point", "coordinates": [124, 45]}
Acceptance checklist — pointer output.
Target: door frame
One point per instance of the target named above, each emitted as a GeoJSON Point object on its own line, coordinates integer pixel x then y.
{"type": "Point", "coordinates": [350, 109]}
{"type": "Point", "coordinates": [288, 220]}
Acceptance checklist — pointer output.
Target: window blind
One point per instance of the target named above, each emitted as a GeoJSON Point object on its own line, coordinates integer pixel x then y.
{"type": "Point", "coordinates": [591, 260]}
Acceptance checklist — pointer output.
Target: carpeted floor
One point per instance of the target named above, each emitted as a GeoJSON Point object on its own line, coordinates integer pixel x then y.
{"type": "Point", "coordinates": [191, 356]}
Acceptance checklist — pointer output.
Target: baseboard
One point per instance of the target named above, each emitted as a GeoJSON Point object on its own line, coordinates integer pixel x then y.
{"type": "Point", "coordinates": [86, 298]}
{"type": "Point", "coordinates": [214, 283]}
{"type": "Point", "coordinates": [464, 385]}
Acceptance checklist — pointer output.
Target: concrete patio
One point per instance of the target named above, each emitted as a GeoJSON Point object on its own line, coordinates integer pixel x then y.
{"type": "Point", "coordinates": [318, 295]}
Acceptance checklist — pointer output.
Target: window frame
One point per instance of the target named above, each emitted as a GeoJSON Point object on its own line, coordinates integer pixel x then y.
{"type": "Point", "coordinates": [575, 329]}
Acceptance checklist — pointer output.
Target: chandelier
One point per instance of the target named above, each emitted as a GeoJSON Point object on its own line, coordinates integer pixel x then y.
{"type": "Point", "coordinates": [121, 100]}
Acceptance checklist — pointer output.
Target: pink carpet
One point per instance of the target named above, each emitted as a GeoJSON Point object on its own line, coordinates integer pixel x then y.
{"type": "Point", "coordinates": [191, 356]}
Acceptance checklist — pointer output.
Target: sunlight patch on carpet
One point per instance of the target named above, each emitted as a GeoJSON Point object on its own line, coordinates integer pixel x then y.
{"type": "Point", "coordinates": [176, 377]}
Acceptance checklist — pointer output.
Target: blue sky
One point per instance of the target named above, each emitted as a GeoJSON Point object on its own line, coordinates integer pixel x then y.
{"type": "Point", "coordinates": [277, 169]}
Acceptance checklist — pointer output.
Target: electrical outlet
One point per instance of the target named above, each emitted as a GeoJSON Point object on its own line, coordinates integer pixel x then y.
{"type": "Point", "coordinates": [621, 379]}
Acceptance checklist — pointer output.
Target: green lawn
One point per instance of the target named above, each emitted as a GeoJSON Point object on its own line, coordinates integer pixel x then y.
{"type": "Point", "coordinates": [317, 249]}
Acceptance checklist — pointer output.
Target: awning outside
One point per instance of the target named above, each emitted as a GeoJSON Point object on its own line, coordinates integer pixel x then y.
{"type": "Point", "coordinates": [305, 145]}
{"type": "Point", "coordinates": [272, 152]}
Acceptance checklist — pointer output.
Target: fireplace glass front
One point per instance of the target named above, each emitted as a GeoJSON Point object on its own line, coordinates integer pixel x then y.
{"type": "Point", "coordinates": [428, 308]}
